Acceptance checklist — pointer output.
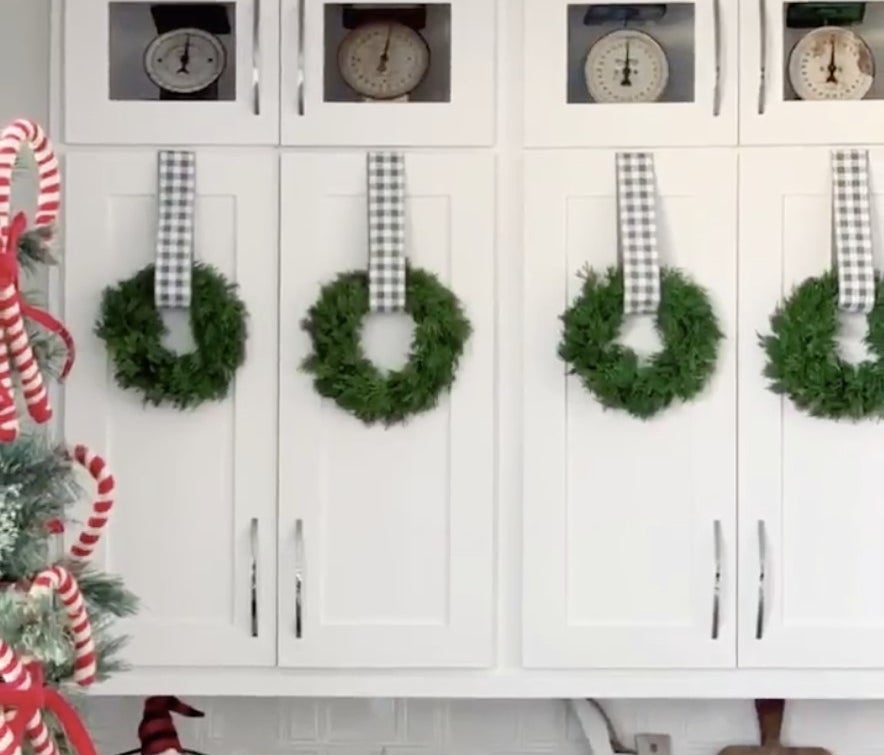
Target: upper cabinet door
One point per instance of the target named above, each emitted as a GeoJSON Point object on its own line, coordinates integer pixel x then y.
{"type": "Point", "coordinates": [627, 522]}
{"type": "Point", "coordinates": [142, 72]}
{"type": "Point", "coordinates": [192, 532]}
{"type": "Point", "coordinates": [386, 535]}
{"type": "Point", "coordinates": [664, 77]}
{"type": "Point", "coordinates": [809, 488]}
{"type": "Point", "coordinates": [385, 74]}
{"type": "Point", "coordinates": [806, 84]}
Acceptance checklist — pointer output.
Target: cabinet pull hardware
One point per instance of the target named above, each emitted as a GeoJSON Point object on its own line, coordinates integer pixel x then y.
{"type": "Point", "coordinates": [762, 50]}
{"type": "Point", "coordinates": [253, 576]}
{"type": "Point", "coordinates": [299, 578]}
{"type": "Point", "coordinates": [301, 57]}
{"type": "Point", "coordinates": [256, 58]}
{"type": "Point", "coordinates": [716, 593]}
{"type": "Point", "coordinates": [716, 25]}
{"type": "Point", "coordinates": [762, 578]}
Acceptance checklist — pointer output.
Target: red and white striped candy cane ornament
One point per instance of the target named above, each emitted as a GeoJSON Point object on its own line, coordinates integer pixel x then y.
{"type": "Point", "coordinates": [101, 506]}
{"type": "Point", "coordinates": [16, 675]}
{"type": "Point", "coordinates": [16, 344]}
{"type": "Point", "coordinates": [60, 581]}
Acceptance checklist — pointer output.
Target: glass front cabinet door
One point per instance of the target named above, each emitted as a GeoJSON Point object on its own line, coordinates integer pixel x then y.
{"type": "Point", "coordinates": [137, 71]}
{"type": "Point", "coordinates": [388, 73]}
{"type": "Point", "coordinates": [812, 72]}
{"type": "Point", "coordinates": [633, 73]}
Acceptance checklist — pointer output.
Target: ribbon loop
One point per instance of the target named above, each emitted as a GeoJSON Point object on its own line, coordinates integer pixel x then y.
{"type": "Point", "coordinates": [853, 230]}
{"type": "Point", "coordinates": [637, 217]}
{"type": "Point", "coordinates": [176, 195]}
{"type": "Point", "coordinates": [386, 232]}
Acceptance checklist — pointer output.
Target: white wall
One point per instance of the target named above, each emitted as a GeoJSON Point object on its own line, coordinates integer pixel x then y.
{"type": "Point", "coordinates": [413, 727]}
{"type": "Point", "coordinates": [24, 59]}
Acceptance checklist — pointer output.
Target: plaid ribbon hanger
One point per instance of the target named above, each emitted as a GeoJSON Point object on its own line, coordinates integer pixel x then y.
{"type": "Point", "coordinates": [176, 189]}
{"type": "Point", "coordinates": [637, 221]}
{"type": "Point", "coordinates": [852, 230]}
{"type": "Point", "coordinates": [386, 232]}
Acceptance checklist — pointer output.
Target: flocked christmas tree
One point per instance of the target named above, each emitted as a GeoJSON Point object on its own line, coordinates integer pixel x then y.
{"type": "Point", "coordinates": [40, 482]}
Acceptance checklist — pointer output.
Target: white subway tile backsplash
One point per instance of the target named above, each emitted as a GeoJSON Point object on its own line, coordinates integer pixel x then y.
{"type": "Point", "coordinates": [361, 720]}
{"type": "Point", "coordinates": [252, 726]}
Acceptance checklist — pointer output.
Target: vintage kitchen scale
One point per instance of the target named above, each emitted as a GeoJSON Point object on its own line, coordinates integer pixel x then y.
{"type": "Point", "coordinates": [384, 57]}
{"type": "Point", "coordinates": [831, 61]}
{"type": "Point", "coordinates": [186, 58]}
{"type": "Point", "coordinates": [628, 64]}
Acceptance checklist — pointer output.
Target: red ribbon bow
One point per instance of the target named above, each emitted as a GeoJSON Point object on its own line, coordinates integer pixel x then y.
{"type": "Point", "coordinates": [9, 275]}
{"type": "Point", "coordinates": [37, 698]}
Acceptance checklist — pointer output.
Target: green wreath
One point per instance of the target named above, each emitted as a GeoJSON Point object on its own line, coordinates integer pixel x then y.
{"type": "Point", "coordinates": [614, 373]}
{"type": "Point", "coordinates": [131, 328]}
{"type": "Point", "coordinates": [802, 353]}
{"type": "Point", "coordinates": [342, 372]}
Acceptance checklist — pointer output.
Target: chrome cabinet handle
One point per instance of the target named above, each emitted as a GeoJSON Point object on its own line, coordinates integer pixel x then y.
{"type": "Point", "coordinates": [716, 25]}
{"type": "Point", "coordinates": [299, 578]}
{"type": "Point", "coordinates": [301, 56]}
{"type": "Point", "coordinates": [762, 578]}
{"type": "Point", "coordinates": [762, 50]}
{"type": "Point", "coordinates": [253, 576]}
{"type": "Point", "coordinates": [256, 58]}
{"type": "Point", "coordinates": [716, 592]}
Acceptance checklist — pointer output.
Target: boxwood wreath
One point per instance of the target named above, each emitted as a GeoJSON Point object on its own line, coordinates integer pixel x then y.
{"type": "Point", "coordinates": [802, 354]}
{"type": "Point", "coordinates": [614, 373]}
{"type": "Point", "coordinates": [342, 372]}
{"type": "Point", "coordinates": [132, 329]}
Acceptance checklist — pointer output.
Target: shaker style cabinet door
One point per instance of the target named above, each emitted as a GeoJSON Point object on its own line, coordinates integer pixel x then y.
{"type": "Point", "coordinates": [810, 502]}
{"type": "Point", "coordinates": [642, 74]}
{"type": "Point", "coordinates": [629, 525]}
{"type": "Point", "coordinates": [811, 72]}
{"type": "Point", "coordinates": [195, 516]}
{"type": "Point", "coordinates": [388, 73]}
{"type": "Point", "coordinates": [143, 72]}
{"type": "Point", "coordinates": [386, 534]}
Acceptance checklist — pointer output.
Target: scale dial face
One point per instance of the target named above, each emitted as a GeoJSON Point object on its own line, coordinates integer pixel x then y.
{"type": "Point", "coordinates": [383, 60]}
{"type": "Point", "coordinates": [626, 66]}
{"type": "Point", "coordinates": [831, 63]}
{"type": "Point", "coordinates": [185, 60]}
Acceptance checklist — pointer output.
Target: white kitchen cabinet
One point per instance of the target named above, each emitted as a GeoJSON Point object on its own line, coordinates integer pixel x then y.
{"type": "Point", "coordinates": [626, 522]}
{"type": "Point", "coordinates": [808, 486]}
{"type": "Point", "coordinates": [110, 98]}
{"type": "Point", "coordinates": [389, 530]}
{"type": "Point", "coordinates": [771, 112]}
{"type": "Point", "coordinates": [193, 487]}
{"type": "Point", "coordinates": [453, 105]}
{"type": "Point", "coordinates": [698, 106]}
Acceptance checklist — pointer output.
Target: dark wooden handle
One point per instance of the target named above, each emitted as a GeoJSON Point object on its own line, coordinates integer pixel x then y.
{"type": "Point", "coordinates": [770, 720]}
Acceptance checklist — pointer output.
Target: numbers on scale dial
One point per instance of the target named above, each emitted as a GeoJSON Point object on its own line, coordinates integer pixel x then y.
{"type": "Point", "coordinates": [383, 60]}
{"type": "Point", "coordinates": [626, 66]}
{"type": "Point", "coordinates": [185, 60]}
{"type": "Point", "coordinates": [831, 63]}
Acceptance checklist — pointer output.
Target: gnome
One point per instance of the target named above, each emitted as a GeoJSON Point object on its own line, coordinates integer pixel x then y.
{"type": "Point", "coordinates": [157, 732]}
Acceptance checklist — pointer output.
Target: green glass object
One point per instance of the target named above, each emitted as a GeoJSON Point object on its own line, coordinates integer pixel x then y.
{"type": "Point", "coordinates": [619, 13]}
{"type": "Point", "coordinates": [813, 15]}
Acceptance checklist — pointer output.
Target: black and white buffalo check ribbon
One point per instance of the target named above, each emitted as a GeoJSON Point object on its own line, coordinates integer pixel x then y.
{"type": "Point", "coordinates": [174, 252]}
{"type": "Point", "coordinates": [637, 214]}
{"type": "Point", "coordinates": [386, 231]}
{"type": "Point", "coordinates": [853, 230]}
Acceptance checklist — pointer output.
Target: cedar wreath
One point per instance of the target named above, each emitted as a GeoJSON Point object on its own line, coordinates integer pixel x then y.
{"type": "Point", "coordinates": [614, 373]}
{"type": "Point", "coordinates": [803, 360]}
{"type": "Point", "coordinates": [342, 372]}
{"type": "Point", "coordinates": [132, 330]}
